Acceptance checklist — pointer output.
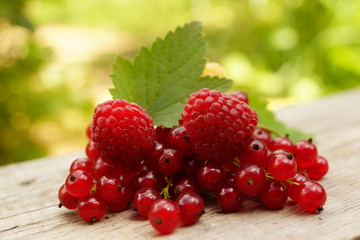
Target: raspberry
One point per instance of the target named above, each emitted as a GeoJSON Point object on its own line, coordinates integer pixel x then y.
{"type": "Point", "coordinates": [219, 126]}
{"type": "Point", "coordinates": [122, 130]}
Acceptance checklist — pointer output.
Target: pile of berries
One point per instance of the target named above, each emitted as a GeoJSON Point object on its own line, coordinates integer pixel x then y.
{"type": "Point", "coordinates": [216, 153]}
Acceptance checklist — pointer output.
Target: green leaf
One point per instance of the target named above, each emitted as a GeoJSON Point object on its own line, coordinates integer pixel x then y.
{"type": "Point", "coordinates": [267, 120]}
{"type": "Point", "coordinates": [161, 78]}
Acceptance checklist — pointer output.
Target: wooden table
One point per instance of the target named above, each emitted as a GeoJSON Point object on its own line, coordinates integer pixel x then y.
{"type": "Point", "coordinates": [28, 192]}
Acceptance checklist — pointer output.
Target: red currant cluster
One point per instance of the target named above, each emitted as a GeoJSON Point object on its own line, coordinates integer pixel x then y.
{"type": "Point", "coordinates": [170, 182]}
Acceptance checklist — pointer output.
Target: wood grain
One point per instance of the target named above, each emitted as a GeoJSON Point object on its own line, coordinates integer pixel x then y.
{"type": "Point", "coordinates": [28, 193]}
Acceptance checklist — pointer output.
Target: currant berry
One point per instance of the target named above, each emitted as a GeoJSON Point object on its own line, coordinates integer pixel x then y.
{"type": "Point", "coordinates": [91, 208]}
{"type": "Point", "coordinates": [250, 179]}
{"type": "Point", "coordinates": [191, 207]}
{"type": "Point", "coordinates": [229, 166]}
{"type": "Point", "coordinates": [170, 162]}
{"type": "Point", "coordinates": [211, 177]}
{"type": "Point", "coordinates": [164, 215]}
{"type": "Point", "coordinates": [108, 188]}
{"type": "Point", "coordinates": [255, 153]}
{"type": "Point", "coordinates": [282, 165]}
{"type": "Point", "coordinates": [191, 166]}
{"type": "Point", "coordinates": [102, 168]}
{"type": "Point", "coordinates": [152, 157]}
{"type": "Point", "coordinates": [149, 178]}
{"type": "Point", "coordinates": [79, 183]}
{"type": "Point", "coordinates": [91, 151]}
{"type": "Point", "coordinates": [294, 183]}
{"type": "Point", "coordinates": [311, 196]}
{"type": "Point", "coordinates": [89, 132]}
{"type": "Point", "coordinates": [305, 153]}
{"type": "Point", "coordinates": [318, 169]}
{"type": "Point", "coordinates": [82, 164]}
{"type": "Point", "coordinates": [67, 200]}
{"type": "Point", "coordinates": [274, 195]}
{"type": "Point", "coordinates": [179, 140]}
{"type": "Point", "coordinates": [185, 185]}
{"type": "Point", "coordinates": [282, 143]}
{"type": "Point", "coordinates": [143, 199]}
{"type": "Point", "coordinates": [161, 134]}
{"type": "Point", "coordinates": [229, 199]}
{"type": "Point", "coordinates": [121, 203]}
{"type": "Point", "coordinates": [127, 169]}
{"type": "Point", "coordinates": [263, 135]}
{"type": "Point", "coordinates": [230, 179]}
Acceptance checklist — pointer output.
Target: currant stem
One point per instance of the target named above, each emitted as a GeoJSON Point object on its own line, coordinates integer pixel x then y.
{"type": "Point", "coordinates": [165, 192]}
{"type": "Point", "coordinates": [291, 182]}
{"type": "Point", "coordinates": [93, 189]}
{"type": "Point", "coordinates": [268, 175]}
{"type": "Point", "coordinates": [236, 162]}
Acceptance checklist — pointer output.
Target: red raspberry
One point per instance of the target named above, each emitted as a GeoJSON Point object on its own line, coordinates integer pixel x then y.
{"type": "Point", "coordinates": [122, 130]}
{"type": "Point", "coordinates": [219, 126]}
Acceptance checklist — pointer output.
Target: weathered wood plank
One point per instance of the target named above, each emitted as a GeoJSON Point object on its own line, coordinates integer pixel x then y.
{"type": "Point", "coordinates": [28, 199]}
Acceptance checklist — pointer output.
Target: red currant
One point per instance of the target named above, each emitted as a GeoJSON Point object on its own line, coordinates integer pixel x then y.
{"type": "Point", "coordinates": [121, 203]}
{"type": "Point", "coordinates": [152, 157]}
{"type": "Point", "coordinates": [318, 169]}
{"type": "Point", "coordinates": [274, 195]}
{"type": "Point", "coordinates": [191, 207]}
{"type": "Point", "coordinates": [250, 179]}
{"type": "Point", "coordinates": [311, 196]}
{"type": "Point", "coordinates": [255, 153]}
{"type": "Point", "coordinates": [229, 166]}
{"type": "Point", "coordinates": [230, 179]}
{"type": "Point", "coordinates": [161, 134]}
{"type": "Point", "coordinates": [82, 164]}
{"type": "Point", "coordinates": [185, 185]}
{"type": "Point", "coordinates": [79, 183]}
{"type": "Point", "coordinates": [164, 215]}
{"type": "Point", "coordinates": [91, 151]}
{"type": "Point", "coordinates": [67, 200]}
{"type": "Point", "coordinates": [263, 135]}
{"type": "Point", "coordinates": [144, 198]}
{"type": "Point", "coordinates": [229, 199]}
{"type": "Point", "coordinates": [91, 208]}
{"type": "Point", "coordinates": [282, 143]}
{"type": "Point", "coordinates": [102, 168]}
{"type": "Point", "coordinates": [108, 188]}
{"type": "Point", "coordinates": [305, 153]}
{"type": "Point", "coordinates": [170, 162]}
{"type": "Point", "coordinates": [293, 184]}
{"type": "Point", "coordinates": [282, 165]}
{"type": "Point", "coordinates": [211, 177]}
{"type": "Point", "coordinates": [150, 178]}
{"type": "Point", "coordinates": [179, 140]}
{"type": "Point", "coordinates": [192, 164]}
{"type": "Point", "coordinates": [89, 132]}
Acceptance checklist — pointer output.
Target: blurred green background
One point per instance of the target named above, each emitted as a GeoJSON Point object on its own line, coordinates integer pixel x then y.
{"type": "Point", "coordinates": [56, 57]}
